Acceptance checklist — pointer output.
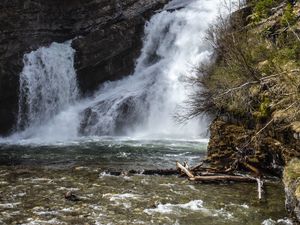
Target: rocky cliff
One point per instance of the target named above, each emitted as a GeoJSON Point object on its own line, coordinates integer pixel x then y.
{"type": "Point", "coordinates": [108, 39]}
{"type": "Point", "coordinates": [251, 89]}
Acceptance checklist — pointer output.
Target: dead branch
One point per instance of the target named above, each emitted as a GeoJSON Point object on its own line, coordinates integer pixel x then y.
{"type": "Point", "coordinates": [197, 166]}
{"type": "Point", "coordinates": [236, 88]}
{"type": "Point", "coordinates": [184, 169]}
{"type": "Point", "coordinates": [252, 169]}
{"type": "Point", "coordinates": [262, 129]}
{"type": "Point", "coordinates": [289, 26]}
{"type": "Point", "coordinates": [223, 178]}
{"type": "Point", "coordinates": [259, 188]}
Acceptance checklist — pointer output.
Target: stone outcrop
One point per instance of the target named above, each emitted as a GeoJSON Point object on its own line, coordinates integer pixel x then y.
{"type": "Point", "coordinates": [291, 180]}
{"type": "Point", "coordinates": [108, 39]}
{"type": "Point", "coordinates": [269, 151]}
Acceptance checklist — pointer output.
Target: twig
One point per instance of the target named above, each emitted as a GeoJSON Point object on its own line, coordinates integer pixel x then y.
{"type": "Point", "coordinates": [252, 168]}
{"type": "Point", "coordinates": [236, 88]}
{"type": "Point", "coordinates": [250, 83]}
{"type": "Point", "coordinates": [266, 126]}
{"type": "Point", "coordinates": [296, 35]}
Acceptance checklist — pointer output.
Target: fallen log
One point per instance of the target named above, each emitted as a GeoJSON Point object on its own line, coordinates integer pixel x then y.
{"type": "Point", "coordinates": [185, 170]}
{"type": "Point", "coordinates": [161, 172]}
{"type": "Point", "coordinates": [209, 174]}
{"type": "Point", "coordinates": [222, 178]}
{"type": "Point", "coordinates": [165, 172]}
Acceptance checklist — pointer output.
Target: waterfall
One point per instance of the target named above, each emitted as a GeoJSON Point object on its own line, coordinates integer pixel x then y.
{"type": "Point", "coordinates": [47, 85]}
{"type": "Point", "coordinates": [145, 103]}
{"type": "Point", "coordinates": [142, 104]}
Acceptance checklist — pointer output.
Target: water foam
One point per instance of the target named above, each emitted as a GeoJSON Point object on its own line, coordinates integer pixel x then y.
{"type": "Point", "coordinates": [47, 84]}
{"type": "Point", "coordinates": [195, 205]}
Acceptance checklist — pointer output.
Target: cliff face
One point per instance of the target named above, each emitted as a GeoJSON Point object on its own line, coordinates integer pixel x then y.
{"type": "Point", "coordinates": [252, 89]}
{"type": "Point", "coordinates": [108, 40]}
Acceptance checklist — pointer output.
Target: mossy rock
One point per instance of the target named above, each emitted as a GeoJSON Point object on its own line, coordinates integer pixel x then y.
{"type": "Point", "coordinates": [292, 172]}
{"type": "Point", "coordinates": [291, 180]}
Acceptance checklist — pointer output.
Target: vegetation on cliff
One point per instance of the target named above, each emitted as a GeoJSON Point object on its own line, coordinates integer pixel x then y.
{"type": "Point", "coordinates": [253, 85]}
{"type": "Point", "coordinates": [252, 89]}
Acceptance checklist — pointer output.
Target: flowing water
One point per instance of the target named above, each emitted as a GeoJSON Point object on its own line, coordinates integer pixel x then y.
{"type": "Point", "coordinates": [142, 104]}
{"type": "Point", "coordinates": [34, 179]}
{"type": "Point", "coordinates": [65, 143]}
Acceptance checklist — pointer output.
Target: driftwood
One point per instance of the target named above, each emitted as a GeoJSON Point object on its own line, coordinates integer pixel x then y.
{"type": "Point", "coordinates": [259, 187]}
{"type": "Point", "coordinates": [222, 178]}
{"type": "Point", "coordinates": [184, 169]}
{"type": "Point", "coordinates": [209, 174]}
{"type": "Point", "coordinates": [162, 172]}
{"type": "Point", "coordinates": [166, 172]}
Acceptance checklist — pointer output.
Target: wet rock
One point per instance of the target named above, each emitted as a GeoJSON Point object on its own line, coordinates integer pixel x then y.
{"type": "Point", "coordinates": [99, 120]}
{"type": "Point", "coordinates": [70, 196]}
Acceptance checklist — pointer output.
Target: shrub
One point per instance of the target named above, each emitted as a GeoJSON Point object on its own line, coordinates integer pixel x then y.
{"type": "Point", "coordinates": [288, 18]}
{"type": "Point", "coordinates": [262, 9]}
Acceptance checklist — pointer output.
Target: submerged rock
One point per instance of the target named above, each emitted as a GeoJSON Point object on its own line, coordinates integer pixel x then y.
{"type": "Point", "coordinates": [70, 196]}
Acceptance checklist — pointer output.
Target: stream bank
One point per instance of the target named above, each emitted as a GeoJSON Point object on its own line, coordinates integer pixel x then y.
{"type": "Point", "coordinates": [252, 92]}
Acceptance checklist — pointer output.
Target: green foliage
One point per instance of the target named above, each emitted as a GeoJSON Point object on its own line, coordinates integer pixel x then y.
{"type": "Point", "coordinates": [264, 108]}
{"type": "Point", "coordinates": [251, 76]}
{"type": "Point", "coordinates": [292, 171]}
{"type": "Point", "coordinates": [288, 18]}
{"type": "Point", "coordinates": [262, 9]}
{"type": "Point", "coordinates": [287, 49]}
{"type": "Point", "coordinates": [286, 54]}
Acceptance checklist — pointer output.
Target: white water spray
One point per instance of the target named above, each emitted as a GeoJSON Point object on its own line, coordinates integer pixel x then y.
{"type": "Point", "coordinates": [142, 104]}
{"type": "Point", "coordinates": [174, 45]}
{"type": "Point", "coordinates": [47, 85]}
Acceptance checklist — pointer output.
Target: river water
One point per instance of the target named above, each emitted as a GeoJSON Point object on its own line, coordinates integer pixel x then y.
{"type": "Point", "coordinates": [34, 179]}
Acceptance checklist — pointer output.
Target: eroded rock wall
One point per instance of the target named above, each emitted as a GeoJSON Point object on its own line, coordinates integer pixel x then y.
{"type": "Point", "coordinates": [291, 180]}
{"type": "Point", "coordinates": [268, 150]}
{"type": "Point", "coordinates": [108, 40]}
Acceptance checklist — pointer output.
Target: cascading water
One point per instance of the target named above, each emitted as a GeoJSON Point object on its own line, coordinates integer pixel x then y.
{"type": "Point", "coordinates": [142, 104]}
{"type": "Point", "coordinates": [47, 84]}
{"type": "Point", "coordinates": [174, 43]}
